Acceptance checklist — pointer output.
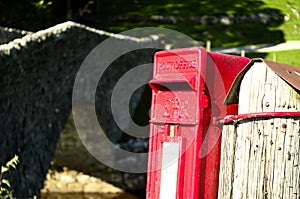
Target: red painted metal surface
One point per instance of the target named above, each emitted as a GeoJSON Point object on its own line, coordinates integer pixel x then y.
{"type": "Point", "coordinates": [188, 90]}
{"type": "Point", "coordinates": [262, 115]}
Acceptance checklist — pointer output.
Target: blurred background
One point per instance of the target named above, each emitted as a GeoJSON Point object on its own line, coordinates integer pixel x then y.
{"type": "Point", "coordinates": [224, 22]}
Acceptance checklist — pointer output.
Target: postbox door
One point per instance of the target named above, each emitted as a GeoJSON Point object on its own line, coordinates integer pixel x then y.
{"type": "Point", "coordinates": [173, 143]}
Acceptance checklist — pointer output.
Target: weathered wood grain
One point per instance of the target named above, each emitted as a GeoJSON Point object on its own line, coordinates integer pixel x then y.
{"type": "Point", "coordinates": [260, 158]}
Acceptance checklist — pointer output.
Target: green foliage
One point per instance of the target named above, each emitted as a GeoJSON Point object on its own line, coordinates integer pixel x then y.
{"type": "Point", "coordinates": [5, 192]}
{"type": "Point", "coordinates": [30, 15]}
{"type": "Point", "coordinates": [42, 5]}
{"type": "Point", "coordinates": [219, 35]}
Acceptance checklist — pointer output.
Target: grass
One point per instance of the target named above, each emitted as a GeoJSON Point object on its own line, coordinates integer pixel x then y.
{"type": "Point", "coordinates": [288, 57]}
{"type": "Point", "coordinates": [220, 35]}
{"type": "Point", "coordinates": [291, 9]}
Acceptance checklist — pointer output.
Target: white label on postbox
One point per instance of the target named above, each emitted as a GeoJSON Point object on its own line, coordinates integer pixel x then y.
{"type": "Point", "coordinates": [170, 156]}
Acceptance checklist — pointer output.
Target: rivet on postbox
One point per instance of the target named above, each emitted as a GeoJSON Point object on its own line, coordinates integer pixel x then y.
{"type": "Point", "coordinates": [184, 146]}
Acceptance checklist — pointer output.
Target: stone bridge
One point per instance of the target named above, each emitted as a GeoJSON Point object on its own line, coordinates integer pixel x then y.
{"type": "Point", "coordinates": [37, 76]}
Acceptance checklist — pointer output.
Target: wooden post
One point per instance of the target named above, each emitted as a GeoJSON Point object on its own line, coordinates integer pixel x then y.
{"type": "Point", "coordinates": [260, 157]}
{"type": "Point", "coordinates": [275, 57]}
{"type": "Point", "coordinates": [243, 53]}
{"type": "Point", "coordinates": [208, 45]}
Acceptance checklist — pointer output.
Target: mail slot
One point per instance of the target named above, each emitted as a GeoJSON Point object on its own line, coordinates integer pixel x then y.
{"type": "Point", "coordinates": [188, 89]}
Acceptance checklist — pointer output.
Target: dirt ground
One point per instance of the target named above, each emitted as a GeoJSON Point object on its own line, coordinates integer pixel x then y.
{"type": "Point", "coordinates": [67, 184]}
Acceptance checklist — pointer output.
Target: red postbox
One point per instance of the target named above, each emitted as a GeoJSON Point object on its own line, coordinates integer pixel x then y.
{"type": "Point", "coordinates": [188, 89]}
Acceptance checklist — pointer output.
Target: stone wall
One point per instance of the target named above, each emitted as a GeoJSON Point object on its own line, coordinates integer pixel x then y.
{"type": "Point", "coordinates": [37, 77]}
{"type": "Point", "coordinates": [9, 34]}
{"type": "Point", "coordinates": [259, 18]}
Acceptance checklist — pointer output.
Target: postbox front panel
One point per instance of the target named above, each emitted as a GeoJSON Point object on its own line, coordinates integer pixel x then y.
{"type": "Point", "coordinates": [174, 144]}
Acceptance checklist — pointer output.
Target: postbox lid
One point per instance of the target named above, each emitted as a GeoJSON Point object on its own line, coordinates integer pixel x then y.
{"type": "Point", "coordinates": [290, 74]}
